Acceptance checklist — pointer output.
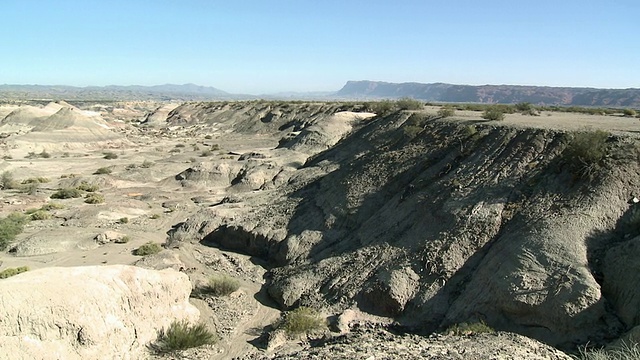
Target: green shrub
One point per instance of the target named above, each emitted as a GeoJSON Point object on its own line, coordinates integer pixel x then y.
{"type": "Point", "coordinates": [409, 104]}
{"type": "Point", "coordinates": [586, 152]}
{"type": "Point", "coordinates": [221, 285]}
{"type": "Point", "coordinates": [180, 336]}
{"type": "Point", "coordinates": [36, 180]}
{"type": "Point", "coordinates": [382, 107]}
{"type": "Point", "coordinates": [149, 248]}
{"type": "Point", "coordinates": [493, 113]}
{"type": "Point", "coordinates": [303, 320]}
{"type": "Point", "coordinates": [446, 111]}
{"type": "Point", "coordinates": [10, 227]}
{"type": "Point", "coordinates": [12, 271]}
{"type": "Point", "coordinates": [44, 154]}
{"type": "Point", "coordinates": [51, 206]}
{"type": "Point", "coordinates": [123, 240]}
{"type": "Point", "coordinates": [479, 327]}
{"type": "Point", "coordinates": [85, 186]}
{"type": "Point", "coordinates": [629, 112]}
{"type": "Point", "coordinates": [40, 215]}
{"type": "Point", "coordinates": [110, 155]}
{"type": "Point", "coordinates": [94, 198]}
{"type": "Point", "coordinates": [67, 193]}
{"type": "Point", "coordinates": [7, 181]}
{"type": "Point", "coordinates": [103, 171]}
{"type": "Point", "coordinates": [123, 220]}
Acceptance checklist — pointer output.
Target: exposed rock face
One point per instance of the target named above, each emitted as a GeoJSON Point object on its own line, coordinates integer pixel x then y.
{"type": "Point", "coordinates": [97, 312]}
{"type": "Point", "coordinates": [380, 344]}
{"type": "Point", "coordinates": [437, 222]}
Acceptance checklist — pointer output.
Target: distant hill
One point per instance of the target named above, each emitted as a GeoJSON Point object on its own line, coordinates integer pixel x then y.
{"type": "Point", "coordinates": [159, 92]}
{"type": "Point", "coordinates": [503, 94]}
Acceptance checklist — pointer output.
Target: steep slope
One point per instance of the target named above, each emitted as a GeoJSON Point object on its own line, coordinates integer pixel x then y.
{"type": "Point", "coordinates": [437, 222]}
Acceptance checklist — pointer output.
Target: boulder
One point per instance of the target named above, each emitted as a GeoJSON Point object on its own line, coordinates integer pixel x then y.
{"type": "Point", "coordinates": [94, 312]}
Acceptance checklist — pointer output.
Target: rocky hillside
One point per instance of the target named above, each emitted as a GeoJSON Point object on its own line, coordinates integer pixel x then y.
{"type": "Point", "coordinates": [435, 222]}
{"type": "Point", "coordinates": [503, 94]}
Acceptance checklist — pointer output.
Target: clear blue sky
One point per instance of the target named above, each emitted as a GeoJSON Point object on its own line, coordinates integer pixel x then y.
{"type": "Point", "coordinates": [259, 46]}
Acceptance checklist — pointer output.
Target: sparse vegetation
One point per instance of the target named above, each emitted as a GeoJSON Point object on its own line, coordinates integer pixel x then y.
{"type": "Point", "coordinates": [85, 186]}
{"type": "Point", "coordinates": [493, 113]}
{"type": "Point", "coordinates": [36, 180]}
{"type": "Point", "coordinates": [622, 352]}
{"type": "Point", "coordinates": [52, 206]}
{"type": "Point", "coordinates": [123, 220]}
{"type": "Point", "coordinates": [154, 216]}
{"type": "Point", "coordinates": [586, 152]}
{"type": "Point", "coordinates": [221, 285]}
{"type": "Point", "coordinates": [10, 227]}
{"type": "Point", "coordinates": [103, 171]}
{"type": "Point", "coordinates": [123, 240]}
{"type": "Point", "coordinates": [629, 112]}
{"type": "Point", "coordinates": [206, 153]}
{"type": "Point", "coordinates": [147, 164]}
{"type": "Point", "coordinates": [149, 248]}
{"type": "Point", "coordinates": [94, 198]}
{"type": "Point", "coordinates": [446, 111]}
{"type": "Point", "coordinates": [44, 154]}
{"type": "Point", "coordinates": [303, 320]}
{"type": "Point", "coordinates": [180, 335]}
{"type": "Point", "coordinates": [9, 272]}
{"type": "Point", "coordinates": [7, 181]}
{"type": "Point", "coordinates": [479, 327]}
{"type": "Point", "coordinates": [67, 193]}
{"type": "Point", "coordinates": [409, 104]}
{"type": "Point", "coordinates": [40, 215]}
{"type": "Point", "coordinates": [110, 155]}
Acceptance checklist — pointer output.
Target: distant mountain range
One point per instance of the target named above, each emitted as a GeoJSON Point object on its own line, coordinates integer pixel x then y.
{"type": "Point", "coordinates": [166, 92]}
{"type": "Point", "coordinates": [502, 94]}
{"type": "Point", "coordinates": [352, 90]}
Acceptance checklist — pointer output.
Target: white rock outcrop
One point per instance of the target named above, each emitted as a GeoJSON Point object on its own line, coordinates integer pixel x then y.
{"type": "Point", "coordinates": [93, 312]}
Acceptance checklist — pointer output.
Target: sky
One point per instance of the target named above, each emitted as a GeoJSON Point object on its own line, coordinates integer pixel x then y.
{"type": "Point", "coordinates": [270, 46]}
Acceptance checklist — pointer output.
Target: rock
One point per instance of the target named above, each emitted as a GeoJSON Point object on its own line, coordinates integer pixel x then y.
{"type": "Point", "coordinates": [94, 312]}
{"type": "Point", "coordinates": [621, 272]}
{"type": "Point", "coordinates": [108, 236]}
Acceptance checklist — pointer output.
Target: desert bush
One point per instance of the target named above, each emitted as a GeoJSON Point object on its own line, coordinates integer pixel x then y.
{"type": "Point", "coordinates": [180, 336]}
{"type": "Point", "coordinates": [123, 240]}
{"type": "Point", "coordinates": [130, 167]}
{"type": "Point", "coordinates": [493, 113]}
{"type": "Point", "coordinates": [51, 206]}
{"type": "Point", "coordinates": [215, 147]}
{"type": "Point", "coordinates": [586, 152]}
{"type": "Point", "coordinates": [7, 181]}
{"type": "Point", "coordinates": [303, 320]}
{"type": "Point", "coordinates": [10, 227]}
{"type": "Point", "coordinates": [206, 153]}
{"type": "Point", "coordinates": [154, 216]}
{"type": "Point", "coordinates": [85, 186]}
{"type": "Point", "coordinates": [103, 171]}
{"type": "Point", "coordinates": [180, 145]}
{"type": "Point", "coordinates": [523, 106]}
{"type": "Point", "coordinates": [12, 271]}
{"type": "Point", "coordinates": [110, 155]}
{"type": "Point", "coordinates": [479, 327]}
{"type": "Point", "coordinates": [36, 180]}
{"type": "Point", "coordinates": [94, 198]}
{"type": "Point", "coordinates": [622, 352]}
{"type": "Point", "coordinates": [409, 104]}
{"type": "Point", "coordinates": [147, 164]}
{"type": "Point", "coordinates": [208, 137]}
{"type": "Point", "coordinates": [381, 107]}
{"type": "Point", "coordinates": [446, 111]}
{"type": "Point", "coordinates": [629, 112]}
{"type": "Point", "coordinates": [123, 220]}
{"type": "Point", "coordinates": [67, 193]}
{"type": "Point", "coordinates": [221, 285]}
{"type": "Point", "coordinates": [44, 154]}
{"type": "Point", "coordinates": [149, 248]}
{"type": "Point", "coordinates": [40, 215]}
